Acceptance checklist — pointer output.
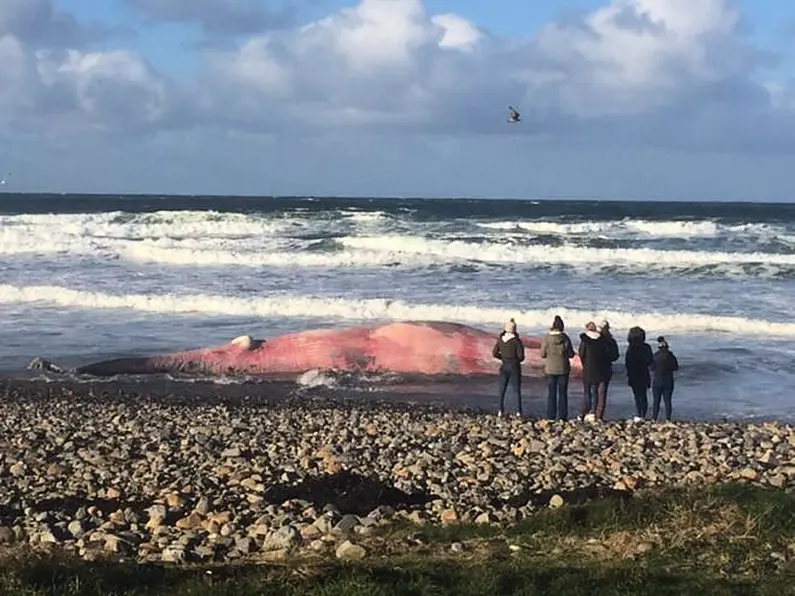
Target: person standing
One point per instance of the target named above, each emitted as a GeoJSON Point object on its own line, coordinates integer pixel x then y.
{"type": "Point", "coordinates": [637, 362]}
{"type": "Point", "coordinates": [611, 346]}
{"type": "Point", "coordinates": [510, 351]}
{"type": "Point", "coordinates": [665, 364]}
{"type": "Point", "coordinates": [557, 350]}
{"type": "Point", "coordinates": [593, 354]}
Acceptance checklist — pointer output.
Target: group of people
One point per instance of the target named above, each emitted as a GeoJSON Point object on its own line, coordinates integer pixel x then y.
{"type": "Point", "coordinates": [598, 350]}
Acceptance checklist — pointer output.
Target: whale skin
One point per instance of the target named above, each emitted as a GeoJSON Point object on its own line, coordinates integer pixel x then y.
{"type": "Point", "coordinates": [412, 347]}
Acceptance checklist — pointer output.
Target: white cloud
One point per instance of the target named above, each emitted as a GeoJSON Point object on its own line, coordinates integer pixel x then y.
{"type": "Point", "coordinates": [654, 70]}
{"type": "Point", "coordinates": [637, 55]}
{"type": "Point", "coordinates": [382, 61]}
{"type": "Point", "coordinates": [390, 62]}
{"type": "Point", "coordinates": [49, 86]}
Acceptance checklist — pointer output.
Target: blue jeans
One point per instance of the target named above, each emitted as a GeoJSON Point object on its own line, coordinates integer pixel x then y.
{"type": "Point", "coordinates": [510, 374]}
{"type": "Point", "coordinates": [558, 397]}
{"type": "Point", "coordinates": [664, 393]}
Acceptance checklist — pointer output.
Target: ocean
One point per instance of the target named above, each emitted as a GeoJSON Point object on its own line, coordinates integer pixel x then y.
{"type": "Point", "coordinates": [92, 277]}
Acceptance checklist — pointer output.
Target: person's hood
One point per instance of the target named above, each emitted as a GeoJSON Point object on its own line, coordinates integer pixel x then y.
{"type": "Point", "coordinates": [591, 334]}
{"type": "Point", "coordinates": [556, 336]}
{"type": "Point", "coordinates": [507, 336]}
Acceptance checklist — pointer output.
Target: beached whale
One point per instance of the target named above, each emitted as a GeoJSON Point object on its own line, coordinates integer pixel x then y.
{"type": "Point", "coordinates": [425, 348]}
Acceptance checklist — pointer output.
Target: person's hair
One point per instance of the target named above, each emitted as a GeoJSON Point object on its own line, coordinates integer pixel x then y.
{"type": "Point", "coordinates": [557, 324]}
{"type": "Point", "coordinates": [636, 335]}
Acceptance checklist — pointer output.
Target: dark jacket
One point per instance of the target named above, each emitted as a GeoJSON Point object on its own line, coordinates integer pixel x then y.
{"type": "Point", "coordinates": [637, 361]}
{"type": "Point", "coordinates": [596, 357]}
{"type": "Point", "coordinates": [665, 363]}
{"type": "Point", "coordinates": [612, 353]}
{"type": "Point", "coordinates": [556, 350]}
{"type": "Point", "coordinates": [509, 349]}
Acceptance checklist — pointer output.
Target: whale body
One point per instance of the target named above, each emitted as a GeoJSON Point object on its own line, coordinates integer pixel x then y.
{"type": "Point", "coordinates": [412, 347]}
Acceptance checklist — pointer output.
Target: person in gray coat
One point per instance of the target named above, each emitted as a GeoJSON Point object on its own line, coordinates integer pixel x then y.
{"type": "Point", "coordinates": [557, 350]}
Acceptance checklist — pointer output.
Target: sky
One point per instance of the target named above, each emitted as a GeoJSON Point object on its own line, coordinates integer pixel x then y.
{"type": "Point", "coordinates": [620, 99]}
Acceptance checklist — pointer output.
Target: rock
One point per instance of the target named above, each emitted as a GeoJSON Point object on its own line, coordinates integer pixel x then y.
{"type": "Point", "coordinates": [193, 521]}
{"type": "Point", "coordinates": [457, 547]}
{"type": "Point", "coordinates": [76, 528]}
{"type": "Point", "coordinates": [483, 518]}
{"type": "Point", "coordinates": [7, 535]}
{"type": "Point", "coordinates": [118, 545]}
{"type": "Point", "coordinates": [347, 524]}
{"type": "Point", "coordinates": [244, 545]}
{"type": "Point", "coordinates": [318, 545]}
{"type": "Point", "coordinates": [348, 551]}
{"type": "Point", "coordinates": [778, 481]}
{"type": "Point", "coordinates": [556, 501]}
{"type": "Point", "coordinates": [175, 500]}
{"type": "Point", "coordinates": [56, 470]}
{"type": "Point", "coordinates": [157, 516]}
{"type": "Point", "coordinates": [449, 516]}
{"type": "Point", "coordinates": [284, 538]}
{"type": "Point", "coordinates": [113, 493]}
{"type": "Point", "coordinates": [202, 506]}
{"type": "Point", "coordinates": [174, 554]}
{"type": "Point", "coordinates": [749, 474]}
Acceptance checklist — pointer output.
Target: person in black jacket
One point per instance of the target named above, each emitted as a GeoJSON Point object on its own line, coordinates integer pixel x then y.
{"type": "Point", "coordinates": [637, 362]}
{"type": "Point", "coordinates": [665, 363]}
{"type": "Point", "coordinates": [510, 350]}
{"type": "Point", "coordinates": [612, 355]}
{"type": "Point", "coordinates": [593, 355]}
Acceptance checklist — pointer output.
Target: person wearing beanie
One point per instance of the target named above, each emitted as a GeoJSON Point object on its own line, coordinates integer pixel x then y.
{"type": "Point", "coordinates": [557, 350]}
{"type": "Point", "coordinates": [591, 352]}
{"type": "Point", "coordinates": [662, 389]}
{"type": "Point", "coordinates": [598, 350]}
{"type": "Point", "coordinates": [637, 362]}
{"type": "Point", "coordinates": [510, 351]}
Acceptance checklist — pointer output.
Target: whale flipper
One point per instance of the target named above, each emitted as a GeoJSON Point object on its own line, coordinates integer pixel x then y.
{"type": "Point", "coordinates": [45, 365]}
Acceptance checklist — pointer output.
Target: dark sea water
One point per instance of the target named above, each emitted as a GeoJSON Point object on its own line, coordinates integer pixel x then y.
{"type": "Point", "coordinates": [90, 277]}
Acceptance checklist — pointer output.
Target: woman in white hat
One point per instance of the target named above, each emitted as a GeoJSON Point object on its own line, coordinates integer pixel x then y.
{"type": "Point", "coordinates": [510, 351]}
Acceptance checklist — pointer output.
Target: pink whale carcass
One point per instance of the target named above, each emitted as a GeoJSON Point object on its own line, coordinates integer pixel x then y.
{"type": "Point", "coordinates": [426, 348]}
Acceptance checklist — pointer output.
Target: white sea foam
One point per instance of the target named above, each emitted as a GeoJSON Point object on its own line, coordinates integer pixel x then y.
{"type": "Point", "coordinates": [345, 309]}
{"type": "Point", "coordinates": [622, 228]}
{"type": "Point", "coordinates": [262, 258]}
{"type": "Point", "coordinates": [563, 255]}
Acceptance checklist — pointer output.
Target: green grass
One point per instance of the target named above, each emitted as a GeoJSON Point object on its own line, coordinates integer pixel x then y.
{"type": "Point", "coordinates": [731, 539]}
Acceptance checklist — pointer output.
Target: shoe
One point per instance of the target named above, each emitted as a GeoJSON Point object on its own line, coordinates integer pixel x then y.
{"type": "Point", "coordinates": [590, 418]}
{"type": "Point", "coordinates": [637, 419]}
{"type": "Point", "coordinates": [499, 414]}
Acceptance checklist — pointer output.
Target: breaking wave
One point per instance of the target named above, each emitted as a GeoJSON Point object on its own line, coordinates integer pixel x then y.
{"type": "Point", "coordinates": [347, 310]}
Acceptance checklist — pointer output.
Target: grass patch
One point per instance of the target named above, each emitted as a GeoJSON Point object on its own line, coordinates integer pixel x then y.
{"type": "Point", "coordinates": [732, 539]}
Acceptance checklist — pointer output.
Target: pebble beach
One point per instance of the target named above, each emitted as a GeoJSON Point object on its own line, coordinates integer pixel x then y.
{"type": "Point", "coordinates": [199, 473]}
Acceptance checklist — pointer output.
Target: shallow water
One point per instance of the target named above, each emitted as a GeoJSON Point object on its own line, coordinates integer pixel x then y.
{"type": "Point", "coordinates": [90, 278]}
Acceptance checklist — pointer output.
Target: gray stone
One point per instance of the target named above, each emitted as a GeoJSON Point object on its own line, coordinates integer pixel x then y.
{"type": "Point", "coordinates": [350, 552]}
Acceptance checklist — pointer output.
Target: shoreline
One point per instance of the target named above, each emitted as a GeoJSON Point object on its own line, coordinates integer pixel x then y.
{"type": "Point", "coordinates": [214, 476]}
{"type": "Point", "coordinates": [435, 395]}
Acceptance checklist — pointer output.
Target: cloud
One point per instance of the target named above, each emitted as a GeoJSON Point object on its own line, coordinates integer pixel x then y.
{"type": "Point", "coordinates": [382, 62]}
{"type": "Point", "coordinates": [640, 65]}
{"type": "Point", "coordinates": [48, 84]}
{"type": "Point", "coordinates": [37, 22]}
{"type": "Point", "coordinates": [220, 16]}
{"type": "Point", "coordinates": [668, 73]}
